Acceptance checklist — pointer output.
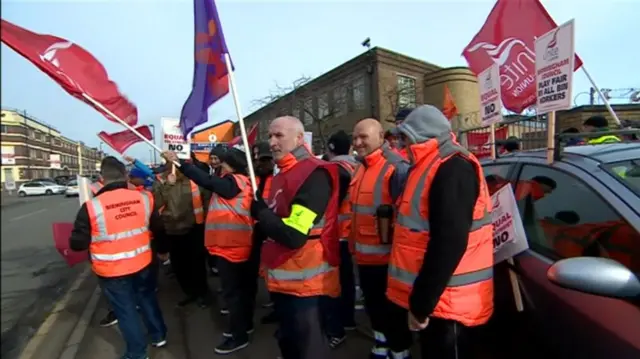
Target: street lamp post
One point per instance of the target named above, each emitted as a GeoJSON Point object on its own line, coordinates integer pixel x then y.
{"type": "Point", "coordinates": [153, 139]}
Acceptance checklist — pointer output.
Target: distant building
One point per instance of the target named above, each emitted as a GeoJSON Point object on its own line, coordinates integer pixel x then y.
{"type": "Point", "coordinates": [374, 84]}
{"type": "Point", "coordinates": [33, 149]}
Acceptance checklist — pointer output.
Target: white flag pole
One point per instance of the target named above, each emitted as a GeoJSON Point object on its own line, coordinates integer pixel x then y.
{"type": "Point", "coordinates": [126, 125]}
{"type": "Point", "coordinates": [243, 130]}
{"type": "Point", "coordinates": [601, 95]}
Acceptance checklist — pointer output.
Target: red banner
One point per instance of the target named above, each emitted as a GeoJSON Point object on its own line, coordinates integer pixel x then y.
{"type": "Point", "coordinates": [252, 136]}
{"type": "Point", "coordinates": [479, 143]}
{"type": "Point", "coordinates": [122, 140]}
{"type": "Point", "coordinates": [73, 68]}
{"type": "Point", "coordinates": [507, 38]}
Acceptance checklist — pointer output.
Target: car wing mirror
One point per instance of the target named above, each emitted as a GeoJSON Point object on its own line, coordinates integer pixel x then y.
{"type": "Point", "coordinates": [600, 276]}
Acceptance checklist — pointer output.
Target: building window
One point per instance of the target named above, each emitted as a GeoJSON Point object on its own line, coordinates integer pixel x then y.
{"type": "Point", "coordinates": [4, 129]}
{"type": "Point", "coordinates": [340, 100]}
{"type": "Point", "coordinates": [406, 91]}
{"type": "Point", "coordinates": [323, 106]}
{"type": "Point", "coordinates": [307, 116]}
{"type": "Point", "coordinates": [358, 92]}
{"type": "Point", "coordinates": [32, 153]}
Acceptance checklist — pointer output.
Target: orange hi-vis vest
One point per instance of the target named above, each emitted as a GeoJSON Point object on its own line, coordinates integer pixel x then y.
{"type": "Point", "coordinates": [267, 186]}
{"type": "Point", "coordinates": [120, 236]}
{"type": "Point", "coordinates": [96, 187]}
{"type": "Point", "coordinates": [229, 226]}
{"type": "Point", "coordinates": [468, 297]}
{"type": "Point", "coordinates": [313, 269]}
{"type": "Point", "coordinates": [344, 213]}
{"type": "Point", "coordinates": [369, 190]}
{"type": "Point", "coordinates": [196, 201]}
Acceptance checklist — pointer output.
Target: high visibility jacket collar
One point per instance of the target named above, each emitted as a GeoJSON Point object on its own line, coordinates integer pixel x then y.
{"type": "Point", "coordinates": [346, 158]}
{"type": "Point", "coordinates": [298, 154]}
{"type": "Point", "coordinates": [376, 156]}
{"type": "Point", "coordinates": [111, 186]}
{"type": "Point", "coordinates": [443, 145]}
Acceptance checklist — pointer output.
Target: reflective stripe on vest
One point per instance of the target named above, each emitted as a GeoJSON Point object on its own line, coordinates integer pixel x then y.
{"type": "Point", "coordinates": [216, 205]}
{"type": "Point", "coordinates": [305, 274]}
{"type": "Point", "coordinates": [196, 200]}
{"type": "Point", "coordinates": [604, 139]}
{"type": "Point", "coordinates": [377, 195]}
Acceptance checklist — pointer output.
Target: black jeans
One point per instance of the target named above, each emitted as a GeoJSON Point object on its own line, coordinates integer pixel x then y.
{"type": "Point", "coordinates": [188, 262]}
{"type": "Point", "coordinates": [239, 287]}
{"type": "Point", "coordinates": [299, 332]}
{"type": "Point", "coordinates": [445, 339]}
{"type": "Point", "coordinates": [338, 313]}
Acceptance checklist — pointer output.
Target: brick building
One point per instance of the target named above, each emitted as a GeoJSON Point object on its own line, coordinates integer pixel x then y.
{"type": "Point", "coordinates": [33, 149]}
{"type": "Point", "coordinates": [375, 84]}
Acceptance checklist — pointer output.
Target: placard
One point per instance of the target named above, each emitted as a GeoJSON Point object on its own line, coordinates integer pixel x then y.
{"type": "Point", "coordinates": [555, 57]}
{"type": "Point", "coordinates": [490, 103]}
{"type": "Point", "coordinates": [172, 138]}
{"type": "Point", "coordinates": [509, 238]}
{"type": "Point", "coordinates": [54, 161]}
{"type": "Point", "coordinates": [8, 155]}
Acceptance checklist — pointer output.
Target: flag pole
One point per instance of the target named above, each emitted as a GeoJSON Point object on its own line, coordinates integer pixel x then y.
{"type": "Point", "coordinates": [126, 125]}
{"type": "Point", "coordinates": [243, 130]}
{"type": "Point", "coordinates": [601, 95]}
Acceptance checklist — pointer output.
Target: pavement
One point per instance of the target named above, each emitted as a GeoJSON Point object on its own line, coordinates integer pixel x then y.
{"type": "Point", "coordinates": [194, 332]}
{"type": "Point", "coordinates": [34, 276]}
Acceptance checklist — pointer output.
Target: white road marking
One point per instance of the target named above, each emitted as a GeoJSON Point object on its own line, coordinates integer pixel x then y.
{"type": "Point", "coordinates": [27, 215]}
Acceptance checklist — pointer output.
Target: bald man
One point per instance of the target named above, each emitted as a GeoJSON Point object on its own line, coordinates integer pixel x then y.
{"type": "Point", "coordinates": [301, 253]}
{"type": "Point", "coordinates": [376, 186]}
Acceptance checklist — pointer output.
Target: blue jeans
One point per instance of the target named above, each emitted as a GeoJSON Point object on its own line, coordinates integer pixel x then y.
{"type": "Point", "coordinates": [123, 294]}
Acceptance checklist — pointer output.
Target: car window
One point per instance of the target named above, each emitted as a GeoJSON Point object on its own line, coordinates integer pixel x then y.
{"type": "Point", "coordinates": [72, 183]}
{"type": "Point", "coordinates": [563, 217]}
{"type": "Point", "coordinates": [496, 176]}
{"type": "Point", "coordinates": [29, 185]}
{"type": "Point", "coordinates": [628, 172]}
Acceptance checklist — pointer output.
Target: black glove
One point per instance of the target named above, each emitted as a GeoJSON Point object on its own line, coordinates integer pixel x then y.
{"type": "Point", "coordinates": [257, 206]}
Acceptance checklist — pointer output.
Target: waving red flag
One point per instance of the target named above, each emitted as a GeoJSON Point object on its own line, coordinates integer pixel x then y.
{"type": "Point", "coordinates": [72, 67]}
{"type": "Point", "coordinates": [122, 140]}
{"type": "Point", "coordinates": [252, 136]}
{"type": "Point", "coordinates": [507, 38]}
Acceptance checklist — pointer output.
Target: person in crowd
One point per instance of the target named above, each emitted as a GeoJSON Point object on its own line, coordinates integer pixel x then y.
{"type": "Point", "coordinates": [511, 145]}
{"type": "Point", "coordinates": [301, 254]}
{"type": "Point", "coordinates": [376, 185]}
{"type": "Point", "coordinates": [599, 124]}
{"type": "Point", "coordinates": [400, 116]}
{"type": "Point", "coordinates": [264, 168]}
{"type": "Point", "coordinates": [116, 227]}
{"type": "Point", "coordinates": [229, 236]}
{"type": "Point", "coordinates": [441, 265]}
{"type": "Point", "coordinates": [339, 313]}
{"type": "Point", "coordinates": [182, 204]}
{"type": "Point", "coordinates": [572, 141]}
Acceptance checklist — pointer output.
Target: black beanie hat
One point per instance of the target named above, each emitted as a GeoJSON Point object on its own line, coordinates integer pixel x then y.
{"type": "Point", "coordinates": [235, 157]}
{"type": "Point", "coordinates": [218, 151]}
{"type": "Point", "coordinates": [339, 143]}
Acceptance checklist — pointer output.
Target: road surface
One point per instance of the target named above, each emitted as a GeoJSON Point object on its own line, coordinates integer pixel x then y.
{"type": "Point", "coordinates": [34, 275]}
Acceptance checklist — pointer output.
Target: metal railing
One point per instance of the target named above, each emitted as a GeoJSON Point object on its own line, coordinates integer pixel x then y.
{"type": "Point", "coordinates": [530, 132]}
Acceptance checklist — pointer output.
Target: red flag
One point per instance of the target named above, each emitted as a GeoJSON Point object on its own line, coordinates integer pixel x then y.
{"type": "Point", "coordinates": [252, 136]}
{"type": "Point", "coordinates": [507, 38]}
{"type": "Point", "coordinates": [72, 67]}
{"type": "Point", "coordinates": [449, 108]}
{"type": "Point", "coordinates": [122, 140]}
{"type": "Point", "coordinates": [479, 143]}
{"type": "Point", "coordinates": [61, 233]}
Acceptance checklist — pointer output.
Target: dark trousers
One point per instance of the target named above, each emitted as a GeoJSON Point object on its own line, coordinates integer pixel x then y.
{"type": "Point", "coordinates": [445, 339]}
{"type": "Point", "coordinates": [124, 294]}
{"type": "Point", "coordinates": [389, 322]}
{"type": "Point", "coordinates": [299, 332]}
{"type": "Point", "coordinates": [188, 262]}
{"type": "Point", "coordinates": [239, 287]}
{"type": "Point", "coordinates": [338, 313]}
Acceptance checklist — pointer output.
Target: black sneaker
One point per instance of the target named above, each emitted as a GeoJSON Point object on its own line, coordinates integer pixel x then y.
{"type": "Point", "coordinates": [186, 301]}
{"type": "Point", "coordinates": [378, 352]}
{"type": "Point", "coordinates": [350, 327]}
{"type": "Point", "coordinates": [267, 305]}
{"type": "Point", "coordinates": [224, 311]}
{"type": "Point", "coordinates": [231, 345]}
{"type": "Point", "coordinates": [229, 335]}
{"type": "Point", "coordinates": [109, 320]}
{"type": "Point", "coordinates": [269, 318]}
{"type": "Point", "coordinates": [334, 342]}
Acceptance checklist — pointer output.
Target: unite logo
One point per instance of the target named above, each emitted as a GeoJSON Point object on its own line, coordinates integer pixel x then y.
{"type": "Point", "coordinates": [52, 56]}
{"type": "Point", "coordinates": [488, 82]}
{"type": "Point", "coordinates": [552, 52]}
{"type": "Point", "coordinates": [516, 61]}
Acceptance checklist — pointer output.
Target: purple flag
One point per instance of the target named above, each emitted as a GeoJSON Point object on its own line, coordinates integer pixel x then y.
{"type": "Point", "coordinates": [210, 75]}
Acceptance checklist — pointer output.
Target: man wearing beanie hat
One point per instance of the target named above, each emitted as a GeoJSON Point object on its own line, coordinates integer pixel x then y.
{"type": "Point", "coordinates": [339, 312]}
{"type": "Point", "coordinates": [229, 236]}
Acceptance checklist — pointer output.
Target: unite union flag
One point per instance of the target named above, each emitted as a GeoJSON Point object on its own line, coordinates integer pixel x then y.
{"type": "Point", "coordinates": [73, 68]}
{"type": "Point", "coordinates": [507, 38]}
{"type": "Point", "coordinates": [121, 141]}
{"type": "Point", "coordinates": [210, 75]}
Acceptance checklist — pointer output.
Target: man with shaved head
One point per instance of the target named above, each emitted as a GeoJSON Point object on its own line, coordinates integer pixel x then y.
{"type": "Point", "coordinates": [301, 253]}
{"type": "Point", "coordinates": [376, 186]}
